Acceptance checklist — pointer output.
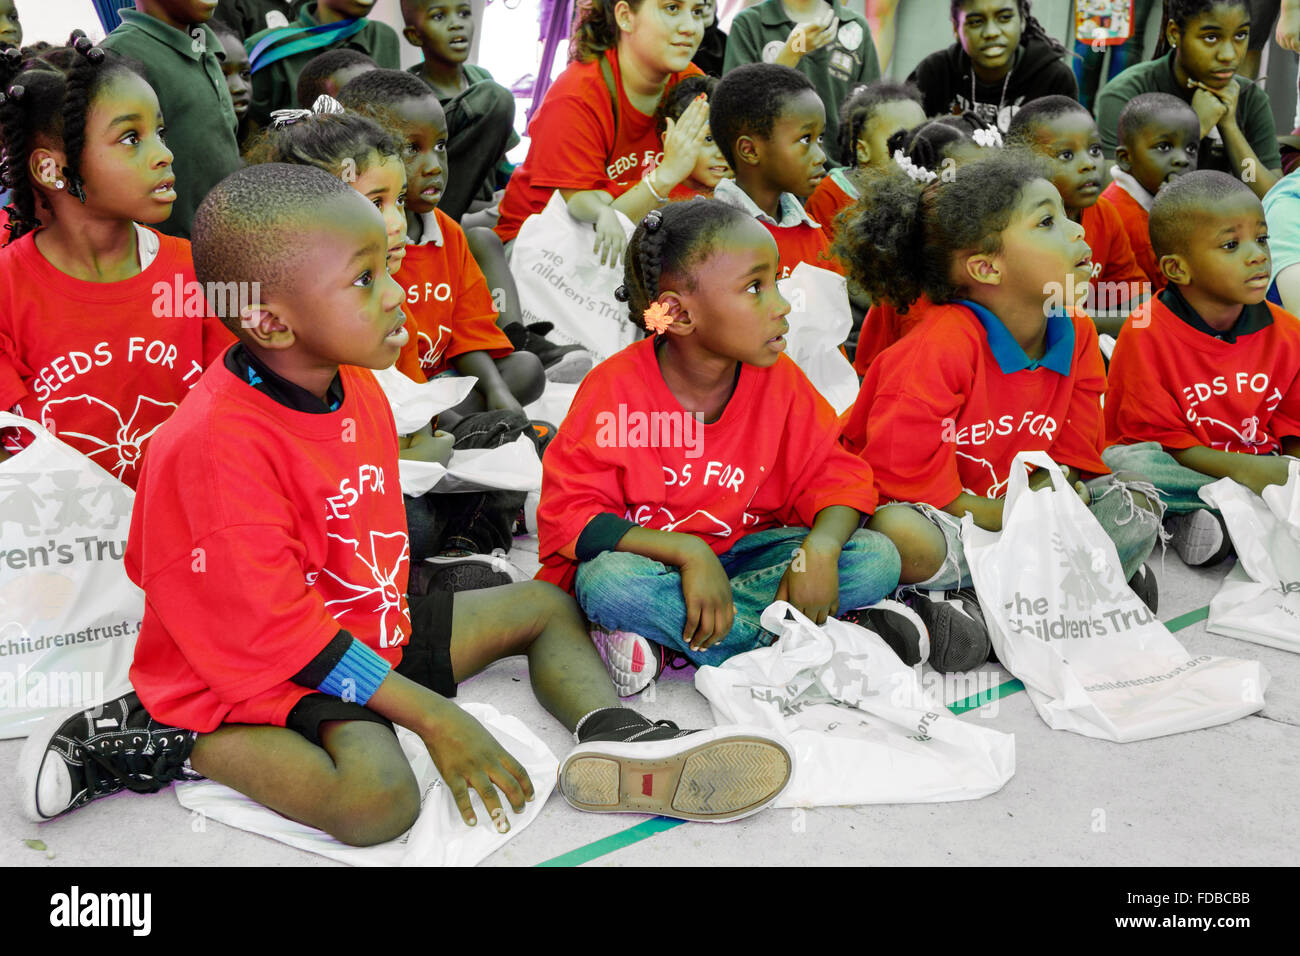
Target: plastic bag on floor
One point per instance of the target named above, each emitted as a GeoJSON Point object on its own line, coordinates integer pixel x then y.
{"type": "Point", "coordinates": [512, 467]}
{"type": "Point", "coordinates": [861, 726]}
{"type": "Point", "coordinates": [561, 280]}
{"type": "Point", "coordinates": [1259, 600]}
{"type": "Point", "coordinates": [439, 837]}
{"type": "Point", "coordinates": [415, 404]}
{"type": "Point", "coordinates": [1062, 619]}
{"type": "Point", "coordinates": [68, 613]}
{"type": "Point", "coordinates": [820, 321]}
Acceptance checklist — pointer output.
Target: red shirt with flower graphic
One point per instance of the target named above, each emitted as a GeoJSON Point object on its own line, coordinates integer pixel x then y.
{"type": "Point", "coordinates": [258, 533]}
{"type": "Point", "coordinates": [448, 304]}
{"type": "Point", "coordinates": [102, 364]}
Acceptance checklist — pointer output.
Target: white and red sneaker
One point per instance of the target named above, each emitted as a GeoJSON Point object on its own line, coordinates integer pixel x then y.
{"type": "Point", "coordinates": [633, 661]}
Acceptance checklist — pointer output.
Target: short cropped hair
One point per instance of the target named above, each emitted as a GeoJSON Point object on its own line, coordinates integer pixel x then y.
{"type": "Point", "coordinates": [749, 100]}
{"type": "Point", "coordinates": [1140, 111]}
{"type": "Point", "coordinates": [1035, 113]}
{"type": "Point", "coordinates": [382, 89]}
{"type": "Point", "coordinates": [1183, 203]}
{"type": "Point", "coordinates": [253, 226]}
{"type": "Point", "coordinates": [311, 81]}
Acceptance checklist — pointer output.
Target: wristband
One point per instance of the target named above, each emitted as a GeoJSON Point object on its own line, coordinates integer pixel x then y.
{"type": "Point", "coordinates": [649, 184]}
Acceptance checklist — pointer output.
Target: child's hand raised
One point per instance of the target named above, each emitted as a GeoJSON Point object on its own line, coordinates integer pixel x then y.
{"type": "Point", "coordinates": [468, 756]}
{"type": "Point", "coordinates": [683, 140]}
{"type": "Point", "coordinates": [807, 37]}
{"type": "Point", "coordinates": [812, 582]}
{"type": "Point", "coordinates": [707, 593]}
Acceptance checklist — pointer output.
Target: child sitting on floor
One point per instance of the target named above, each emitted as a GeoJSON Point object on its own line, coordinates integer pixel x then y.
{"type": "Point", "coordinates": [480, 112]}
{"type": "Point", "coordinates": [1159, 138]}
{"type": "Point", "coordinates": [767, 120]}
{"type": "Point", "coordinates": [1064, 133]}
{"type": "Point", "coordinates": [102, 331]}
{"type": "Point", "coordinates": [695, 464]}
{"type": "Point", "coordinates": [868, 120]}
{"type": "Point", "coordinates": [1205, 378]}
{"type": "Point", "coordinates": [993, 370]}
{"type": "Point", "coordinates": [710, 165]}
{"type": "Point", "coordinates": [925, 153]}
{"type": "Point", "coordinates": [281, 670]}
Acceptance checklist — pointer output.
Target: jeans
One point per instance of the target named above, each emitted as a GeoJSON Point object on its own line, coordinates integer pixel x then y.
{"type": "Point", "coordinates": [629, 592]}
{"type": "Point", "coordinates": [1133, 529]}
{"type": "Point", "coordinates": [1177, 485]}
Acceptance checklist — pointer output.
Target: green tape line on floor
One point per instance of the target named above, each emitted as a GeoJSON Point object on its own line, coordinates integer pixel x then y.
{"type": "Point", "coordinates": [648, 828]}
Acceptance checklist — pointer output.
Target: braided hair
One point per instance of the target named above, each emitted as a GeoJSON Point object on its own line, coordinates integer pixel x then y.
{"type": "Point", "coordinates": [41, 100]}
{"type": "Point", "coordinates": [1180, 11]}
{"type": "Point", "coordinates": [1032, 30]}
{"type": "Point", "coordinates": [927, 145]}
{"type": "Point", "coordinates": [670, 242]}
{"type": "Point", "coordinates": [858, 109]}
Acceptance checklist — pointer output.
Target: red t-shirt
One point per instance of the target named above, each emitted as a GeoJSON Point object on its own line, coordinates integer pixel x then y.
{"type": "Point", "coordinates": [882, 327]}
{"type": "Point", "coordinates": [1172, 384]}
{"type": "Point", "coordinates": [1136, 221]}
{"type": "Point", "coordinates": [258, 533]}
{"type": "Point", "coordinates": [573, 144]}
{"type": "Point", "coordinates": [448, 304]}
{"type": "Point", "coordinates": [102, 364]}
{"type": "Point", "coordinates": [941, 417]}
{"type": "Point", "coordinates": [771, 460]}
{"type": "Point", "coordinates": [826, 202]}
{"type": "Point", "coordinates": [803, 243]}
{"type": "Point", "coordinates": [1112, 256]}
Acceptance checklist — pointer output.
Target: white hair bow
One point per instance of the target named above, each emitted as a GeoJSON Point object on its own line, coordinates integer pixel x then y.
{"type": "Point", "coordinates": [988, 137]}
{"type": "Point", "coordinates": [918, 173]}
{"type": "Point", "coordinates": [324, 104]}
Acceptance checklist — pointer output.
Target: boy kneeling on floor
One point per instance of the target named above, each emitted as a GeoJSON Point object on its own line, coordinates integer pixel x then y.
{"type": "Point", "coordinates": [278, 645]}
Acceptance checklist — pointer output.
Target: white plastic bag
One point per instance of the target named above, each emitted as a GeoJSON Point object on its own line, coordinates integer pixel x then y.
{"type": "Point", "coordinates": [820, 321]}
{"type": "Point", "coordinates": [1259, 600]}
{"type": "Point", "coordinates": [512, 467]}
{"type": "Point", "coordinates": [415, 404]}
{"type": "Point", "coordinates": [68, 613]}
{"type": "Point", "coordinates": [439, 837]}
{"type": "Point", "coordinates": [861, 726]}
{"type": "Point", "coordinates": [1062, 619]}
{"type": "Point", "coordinates": [561, 281]}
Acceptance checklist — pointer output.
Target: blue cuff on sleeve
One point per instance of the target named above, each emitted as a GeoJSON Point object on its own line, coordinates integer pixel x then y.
{"type": "Point", "coordinates": [357, 675]}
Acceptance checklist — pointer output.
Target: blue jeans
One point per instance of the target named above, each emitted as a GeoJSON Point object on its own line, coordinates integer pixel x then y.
{"type": "Point", "coordinates": [1177, 485]}
{"type": "Point", "coordinates": [629, 592]}
{"type": "Point", "coordinates": [1133, 530]}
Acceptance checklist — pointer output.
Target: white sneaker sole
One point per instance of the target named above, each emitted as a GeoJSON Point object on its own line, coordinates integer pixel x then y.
{"type": "Point", "coordinates": [31, 762]}
{"type": "Point", "coordinates": [712, 776]}
{"type": "Point", "coordinates": [571, 368]}
{"type": "Point", "coordinates": [1198, 536]}
{"type": "Point", "coordinates": [629, 658]}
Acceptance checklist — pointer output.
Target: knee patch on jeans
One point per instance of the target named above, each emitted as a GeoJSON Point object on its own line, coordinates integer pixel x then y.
{"type": "Point", "coordinates": [950, 527]}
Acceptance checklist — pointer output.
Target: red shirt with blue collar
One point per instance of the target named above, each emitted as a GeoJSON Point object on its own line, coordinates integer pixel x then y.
{"type": "Point", "coordinates": [949, 411]}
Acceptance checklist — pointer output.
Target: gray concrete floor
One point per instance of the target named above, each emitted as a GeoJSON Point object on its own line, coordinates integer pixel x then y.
{"type": "Point", "coordinates": [1216, 797]}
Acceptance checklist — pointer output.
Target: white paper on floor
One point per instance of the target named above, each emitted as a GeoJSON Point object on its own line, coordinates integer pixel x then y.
{"type": "Point", "coordinates": [439, 837]}
{"type": "Point", "coordinates": [554, 402]}
{"type": "Point", "coordinates": [512, 467]}
{"type": "Point", "coordinates": [859, 723]}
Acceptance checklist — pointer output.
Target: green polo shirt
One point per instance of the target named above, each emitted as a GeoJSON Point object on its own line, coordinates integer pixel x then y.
{"type": "Point", "coordinates": [185, 72]}
{"type": "Point", "coordinates": [836, 70]}
{"type": "Point", "coordinates": [275, 87]}
{"type": "Point", "coordinates": [1254, 118]}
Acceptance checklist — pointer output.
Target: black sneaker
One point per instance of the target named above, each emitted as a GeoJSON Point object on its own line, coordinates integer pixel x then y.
{"type": "Point", "coordinates": [72, 759]}
{"type": "Point", "coordinates": [635, 766]}
{"type": "Point", "coordinates": [1146, 587]}
{"type": "Point", "coordinates": [468, 572]}
{"type": "Point", "coordinates": [1200, 537]}
{"type": "Point", "coordinates": [898, 625]}
{"type": "Point", "coordinates": [563, 363]}
{"type": "Point", "coordinates": [959, 638]}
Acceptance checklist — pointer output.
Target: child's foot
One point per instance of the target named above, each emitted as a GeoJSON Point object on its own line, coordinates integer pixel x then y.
{"type": "Point", "coordinates": [1200, 538]}
{"type": "Point", "coordinates": [1146, 587]}
{"type": "Point", "coordinates": [959, 638]}
{"type": "Point", "coordinates": [900, 627]}
{"type": "Point", "coordinates": [72, 759]}
{"type": "Point", "coordinates": [631, 765]}
{"type": "Point", "coordinates": [633, 661]}
{"type": "Point", "coordinates": [466, 571]}
{"type": "Point", "coordinates": [563, 363]}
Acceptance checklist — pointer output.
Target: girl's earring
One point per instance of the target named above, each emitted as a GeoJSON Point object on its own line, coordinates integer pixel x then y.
{"type": "Point", "coordinates": [58, 184]}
